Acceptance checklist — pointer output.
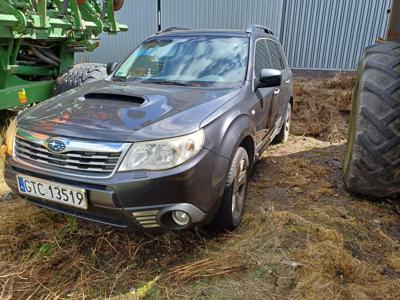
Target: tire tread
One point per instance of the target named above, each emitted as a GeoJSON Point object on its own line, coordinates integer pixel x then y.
{"type": "Point", "coordinates": [223, 218]}
{"type": "Point", "coordinates": [79, 74]}
{"type": "Point", "coordinates": [383, 180]}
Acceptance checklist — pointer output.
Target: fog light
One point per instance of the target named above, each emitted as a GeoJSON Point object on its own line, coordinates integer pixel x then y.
{"type": "Point", "coordinates": [180, 217]}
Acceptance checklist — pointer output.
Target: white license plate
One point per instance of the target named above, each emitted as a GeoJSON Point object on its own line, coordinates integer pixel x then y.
{"type": "Point", "coordinates": [48, 190]}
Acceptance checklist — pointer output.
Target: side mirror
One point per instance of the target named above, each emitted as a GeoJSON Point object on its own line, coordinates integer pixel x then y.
{"type": "Point", "coordinates": [111, 67]}
{"type": "Point", "coordinates": [269, 78]}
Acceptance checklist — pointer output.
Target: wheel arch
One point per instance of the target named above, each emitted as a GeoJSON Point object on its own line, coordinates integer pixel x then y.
{"type": "Point", "coordinates": [249, 145]}
{"type": "Point", "coordinates": [240, 132]}
{"type": "Point", "coordinates": [223, 137]}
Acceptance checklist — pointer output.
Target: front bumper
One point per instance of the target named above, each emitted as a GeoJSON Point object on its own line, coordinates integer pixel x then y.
{"type": "Point", "coordinates": [139, 200]}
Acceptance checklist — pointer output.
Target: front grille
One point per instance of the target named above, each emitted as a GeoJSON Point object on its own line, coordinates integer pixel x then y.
{"type": "Point", "coordinates": [88, 162]}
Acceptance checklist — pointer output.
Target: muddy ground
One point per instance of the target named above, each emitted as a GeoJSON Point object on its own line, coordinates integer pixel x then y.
{"type": "Point", "coordinates": [303, 236]}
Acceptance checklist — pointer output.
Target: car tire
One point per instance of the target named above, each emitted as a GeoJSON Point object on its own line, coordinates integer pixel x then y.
{"type": "Point", "coordinates": [372, 161]}
{"type": "Point", "coordinates": [283, 135]}
{"type": "Point", "coordinates": [231, 209]}
{"type": "Point", "coordinates": [79, 74]}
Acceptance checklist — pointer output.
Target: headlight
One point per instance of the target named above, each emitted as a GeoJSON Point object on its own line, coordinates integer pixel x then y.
{"type": "Point", "coordinates": [9, 142]}
{"type": "Point", "coordinates": [163, 154]}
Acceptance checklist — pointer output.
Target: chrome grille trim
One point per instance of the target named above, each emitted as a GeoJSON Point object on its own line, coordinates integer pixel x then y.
{"type": "Point", "coordinates": [80, 158]}
{"type": "Point", "coordinates": [145, 213]}
{"type": "Point", "coordinates": [71, 167]}
{"type": "Point", "coordinates": [147, 218]}
{"type": "Point", "coordinates": [72, 155]}
{"type": "Point", "coordinates": [150, 225]}
{"type": "Point", "coordinates": [68, 160]}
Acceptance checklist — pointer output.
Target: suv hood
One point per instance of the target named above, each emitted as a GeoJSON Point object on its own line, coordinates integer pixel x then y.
{"type": "Point", "coordinates": [125, 112]}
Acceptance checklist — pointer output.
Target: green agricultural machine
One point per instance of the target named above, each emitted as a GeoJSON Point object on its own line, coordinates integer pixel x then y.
{"type": "Point", "coordinates": [372, 163]}
{"type": "Point", "coordinates": [38, 40]}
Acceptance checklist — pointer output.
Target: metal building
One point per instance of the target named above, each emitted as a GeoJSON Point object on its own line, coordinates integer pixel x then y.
{"type": "Point", "coordinates": [316, 34]}
{"type": "Point", "coordinates": [331, 34]}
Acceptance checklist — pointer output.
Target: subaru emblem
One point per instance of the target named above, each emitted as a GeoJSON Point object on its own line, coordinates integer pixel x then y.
{"type": "Point", "coordinates": [55, 145]}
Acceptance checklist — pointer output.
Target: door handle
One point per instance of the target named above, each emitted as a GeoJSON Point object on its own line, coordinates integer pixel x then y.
{"type": "Point", "coordinates": [288, 81]}
{"type": "Point", "coordinates": [277, 91]}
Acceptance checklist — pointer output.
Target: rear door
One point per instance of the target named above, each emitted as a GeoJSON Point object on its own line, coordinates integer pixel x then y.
{"type": "Point", "coordinates": [262, 97]}
{"type": "Point", "coordinates": [281, 93]}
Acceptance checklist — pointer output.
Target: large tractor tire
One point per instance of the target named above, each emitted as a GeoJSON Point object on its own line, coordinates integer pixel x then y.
{"type": "Point", "coordinates": [118, 4]}
{"type": "Point", "coordinates": [372, 162]}
{"type": "Point", "coordinates": [79, 74]}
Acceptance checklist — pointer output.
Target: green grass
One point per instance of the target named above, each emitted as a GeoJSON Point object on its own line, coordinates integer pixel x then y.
{"type": "Point", "coordinates": [47, 249]}
{"type": "Point", "coordinates": [69, 228]}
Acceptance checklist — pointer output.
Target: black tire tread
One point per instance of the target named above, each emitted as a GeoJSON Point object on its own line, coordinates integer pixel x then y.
{"type": "Point", "coordinates": [79, 74]}
{"type": "Point", "coordinates": [372, 164]}
{"type": "Point", "coordinates": [280, 137]}
{"type": "Point", "coordinates": [223, 219]}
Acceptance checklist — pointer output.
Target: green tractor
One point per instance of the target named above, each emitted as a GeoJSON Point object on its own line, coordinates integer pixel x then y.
{"type": "Point", "coordinates": [38, 40]}
{"type": "Point", "coordinates": [372, 162]}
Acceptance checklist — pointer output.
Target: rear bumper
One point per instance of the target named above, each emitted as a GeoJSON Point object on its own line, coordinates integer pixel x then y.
{"type": "Point", "coordinates": [139, 200]}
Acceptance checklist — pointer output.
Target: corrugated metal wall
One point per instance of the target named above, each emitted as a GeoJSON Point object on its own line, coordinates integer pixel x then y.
{"type": "Point", "coordinates": [233, 14]}
{"type": "Point", "coordinates": [331, 34]}
{"type": "Point", "coordinates": [316, 34]}
{"type": "Point", "coordinates": [141, 17]}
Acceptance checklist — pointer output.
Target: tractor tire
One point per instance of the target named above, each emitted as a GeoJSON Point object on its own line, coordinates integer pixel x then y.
{"type": "Point", "coordinates": [118, 4]}
{"type": "Point", "coordinates": [372, 161]}
{"type": "Point", "coordinates": [79, 74]}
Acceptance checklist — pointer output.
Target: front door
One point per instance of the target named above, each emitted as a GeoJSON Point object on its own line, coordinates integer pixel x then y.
{"type": "Point", "coordinates": [263, 98]}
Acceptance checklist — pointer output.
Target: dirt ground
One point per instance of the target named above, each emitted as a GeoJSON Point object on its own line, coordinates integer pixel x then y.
{"type": "Point", "coordinates": [303, 236]}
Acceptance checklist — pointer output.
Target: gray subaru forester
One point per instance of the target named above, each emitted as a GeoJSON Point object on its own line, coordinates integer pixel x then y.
{"type": "Point", "coordinates": [166, 141]}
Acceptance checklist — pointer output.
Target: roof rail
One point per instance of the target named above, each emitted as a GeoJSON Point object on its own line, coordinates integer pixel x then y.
{"type": "Point", "coordinates": [172, 29]}
{"type": "Point", "coordinates": [253, 28]}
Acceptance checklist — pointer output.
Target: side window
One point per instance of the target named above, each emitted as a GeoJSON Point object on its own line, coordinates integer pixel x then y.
{"type": "Point", "coordinates": [262, 57]}
{"type": "Point", "coordinates": [276, 57]}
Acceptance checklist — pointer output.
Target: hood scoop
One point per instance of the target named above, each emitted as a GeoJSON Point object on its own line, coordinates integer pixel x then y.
{"type": "Point", "coordinates": [114, 97]}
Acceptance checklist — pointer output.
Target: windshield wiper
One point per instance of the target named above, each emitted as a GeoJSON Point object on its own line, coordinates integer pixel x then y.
{"type": "Point", "coordinates": [166, 82]}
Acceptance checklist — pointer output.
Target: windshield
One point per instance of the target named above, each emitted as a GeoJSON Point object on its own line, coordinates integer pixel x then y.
{"type": "Point", "coordinates": [197, 61]}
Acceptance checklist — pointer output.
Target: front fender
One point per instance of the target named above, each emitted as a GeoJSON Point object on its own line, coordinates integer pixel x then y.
{"type": "Point", "coordinates": [223, 136]}
{"type": "Point", "coordinates": [233, 135]}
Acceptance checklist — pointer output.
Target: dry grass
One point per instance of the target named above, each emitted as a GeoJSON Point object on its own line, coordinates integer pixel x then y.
{"type": "Point", "coordinates": [49, 255]}
{"type": "Point", "coordinates": [3, 131]}
{"type": "Point", "coordinates": [322, 106]}
{"type": "Point", "coordinates": [309, 242]}
{"type": "Point", "coordinates": [4, 123]}
{"type": "Point", "coordinates": [303, 236]}
{"type": "Point", "coordinates": [330, 271]}
{"type": "Point", "coordinates": [5, 119]}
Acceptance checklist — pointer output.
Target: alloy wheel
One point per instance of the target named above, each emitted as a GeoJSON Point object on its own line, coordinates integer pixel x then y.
{"type": "Point", "coordinates": [239, 189]}
{"type": "Point", "coordinates": [287, 122]}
